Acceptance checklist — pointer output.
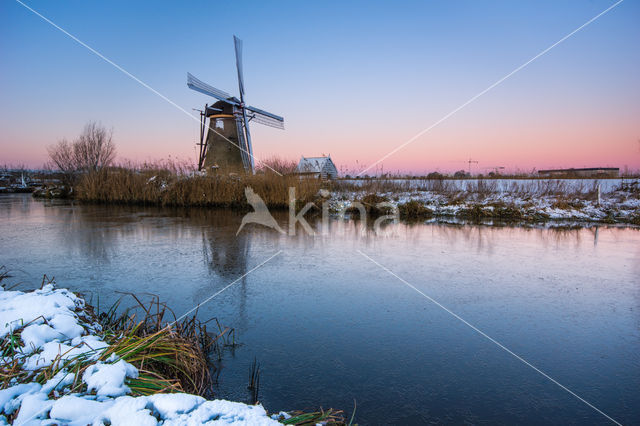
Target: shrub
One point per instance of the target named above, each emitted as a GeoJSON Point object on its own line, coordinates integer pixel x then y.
{"type": "Point", "coordinates": [564, 204]}
{"type": "Point", "coordinates": [499, 211]}
{"type": "Point", "coordinates": [372, 207]}
{"type": "Point", "coordinates": [414, 210]}
{"type": "Point", "coordinates": [474, 212]}
{"type": "Point", "coordinates": [508, 213]}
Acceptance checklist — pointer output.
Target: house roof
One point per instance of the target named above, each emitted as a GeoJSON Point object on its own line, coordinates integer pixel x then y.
{"type": "Point", "coordinates": [589, 169]}
{"type": "Point", "coordinates": [312, 164]}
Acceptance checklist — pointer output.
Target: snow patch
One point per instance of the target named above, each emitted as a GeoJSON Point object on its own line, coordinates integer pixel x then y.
{"type": "Point", "coordinates": [108, 379]}
{"type": "Point", "coordinates": [53, 328]}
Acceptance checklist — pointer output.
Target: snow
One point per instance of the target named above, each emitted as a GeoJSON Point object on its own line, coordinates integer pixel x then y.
{"type": "Point", "coordinates": [108, 379]}
{"type": "Point", "coordinates": [53, 327]}
{"type": "Point", "coordinates": [170, 406]}
{"type": "Point", "coordinates": [86, 346]}
{"type": "Point", "coordinates": [58, 382]}
{"type": "Point", "coordinates": [31, 405]}
{"type": "Point", "coordinates": [8, 397]}
{"type": "Point", "coordinates": [35, 336]}
{"type": "Point", "coordinates": [167, 409]}
{"type": "Point", "coordinates": [130, 410]}
{"type": "Point", "coordinates": [607, 185]}
{"type": "Point", "coordinates": [223, 412]}
{"type": "Point", "coordinates": [76, 410]}
{"type": "Point", "coordinates": [39, 307]}
{"type": "Point", "coordinates": [534, 197]}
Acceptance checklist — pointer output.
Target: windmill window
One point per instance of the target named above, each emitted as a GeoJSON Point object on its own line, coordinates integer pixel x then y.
{"type": "Point", "coordinates": [219, 123]}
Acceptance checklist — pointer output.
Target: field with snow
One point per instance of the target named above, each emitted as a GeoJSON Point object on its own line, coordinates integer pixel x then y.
{"type": "Point", "coordinates": [500, 185]}
{"type": "Point", "coordinates": [536, 200]}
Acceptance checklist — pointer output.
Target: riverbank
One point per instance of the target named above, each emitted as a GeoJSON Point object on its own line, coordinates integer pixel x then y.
{"type": "Point", "coordinates": [538, 202]}
{"type": "Point", "coordinates": [609, 201]}
{"type": "Point", "coordinates": [62, 363]}
{"type": "Point", "coordinates": [165, 188]}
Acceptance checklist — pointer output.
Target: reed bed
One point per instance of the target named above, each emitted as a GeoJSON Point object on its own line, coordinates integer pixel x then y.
{"type": "Point", "coordinates": [167, 188]}
{"type": "Point", "coordinates": [371, 185]}
{"type": "Point", "coordinates": [462, 189]}
{"type": "Point", "coordinates": [277, 164]}
{"type": "Point", "coordinates": [170, 355]}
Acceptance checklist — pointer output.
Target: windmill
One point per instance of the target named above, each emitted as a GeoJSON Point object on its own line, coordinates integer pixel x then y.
{"type": "Point", "coordinates": [227, 147]}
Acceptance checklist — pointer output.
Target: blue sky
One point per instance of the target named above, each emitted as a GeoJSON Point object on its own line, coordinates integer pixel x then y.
{"type": "Point", "coordinates": [351, 79]}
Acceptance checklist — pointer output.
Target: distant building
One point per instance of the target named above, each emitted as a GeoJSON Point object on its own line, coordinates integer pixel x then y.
{"type": "Point", "coordinates": [588, 172]}
{"type": "Point", "coordinates": [317, 167]}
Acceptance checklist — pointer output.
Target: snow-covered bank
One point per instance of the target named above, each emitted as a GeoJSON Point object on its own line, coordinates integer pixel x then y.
{"type": "Point", "coordinates": [47, 335]}
{"type": "Point", "coordinates": [535, 201]}
{"type": "Point", "coordinates": [501, 184]}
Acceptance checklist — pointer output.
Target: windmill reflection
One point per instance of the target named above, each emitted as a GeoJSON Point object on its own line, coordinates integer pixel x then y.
{"type": "Point", "coordinates": [225, 254]}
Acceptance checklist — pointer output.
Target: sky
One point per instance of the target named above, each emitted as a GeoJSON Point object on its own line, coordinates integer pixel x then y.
{"type": "Point", "coordinates": [354, 80]}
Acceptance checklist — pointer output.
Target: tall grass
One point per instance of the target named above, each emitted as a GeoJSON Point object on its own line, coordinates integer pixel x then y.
{"type": "Point", "coordinates": [372, 185]}
{"type": "Point", "coordinates": [329, 417]}
{"type": "Point", "coordinates": [254, 381]}
{"type": "Point", "coordinates": [461, 189]}
{"type": "Point", "coordinates": [168, 186]}
{"type": "Point", "coordinates": [170, 356]}
{"type": "Point", "coordinates": [277, 165]}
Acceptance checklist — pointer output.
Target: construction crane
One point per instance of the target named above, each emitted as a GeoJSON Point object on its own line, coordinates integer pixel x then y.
{"type": "Point", "coordinates": [470, 161]}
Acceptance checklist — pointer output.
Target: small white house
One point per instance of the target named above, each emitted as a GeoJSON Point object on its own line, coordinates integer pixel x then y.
{"type": "Point", "coordinates": [317, 167]}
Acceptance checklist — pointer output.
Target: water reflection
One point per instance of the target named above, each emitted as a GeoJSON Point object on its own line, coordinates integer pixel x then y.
{"type": "Point", "coordinates": [224, 252]}
{"type": "Point", "coordinates": [96, 231]}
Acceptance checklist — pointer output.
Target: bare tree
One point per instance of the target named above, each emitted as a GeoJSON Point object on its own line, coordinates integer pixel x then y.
{"type": "Point", "coordinates": [94, 149]}
{"type": "Point", "coordinates": [62, 156]}
{"type": "Point", "coordinates": [91, 151]}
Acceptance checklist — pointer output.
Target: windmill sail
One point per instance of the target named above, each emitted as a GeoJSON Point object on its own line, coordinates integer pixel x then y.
{"type": "Point", "coordinates": [238, 46]}
{"type": "Point", "coordinates": [202, 87]}
{"type": "Point", "coordinates": [264, 117]}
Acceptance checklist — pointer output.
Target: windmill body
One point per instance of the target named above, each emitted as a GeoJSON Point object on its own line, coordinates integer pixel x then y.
{"type": "Point", "coordinates": [225, 140]}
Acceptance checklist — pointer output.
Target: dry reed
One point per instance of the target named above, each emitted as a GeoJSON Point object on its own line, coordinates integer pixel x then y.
{"type": "Point", "coordinates": [167, 188]}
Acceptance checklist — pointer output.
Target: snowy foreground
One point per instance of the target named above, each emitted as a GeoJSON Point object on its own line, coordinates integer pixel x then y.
{"type": "Point", "coordinates": [52, 327]}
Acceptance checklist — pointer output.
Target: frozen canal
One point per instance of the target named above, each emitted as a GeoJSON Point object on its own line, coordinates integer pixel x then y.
{"type": "Point", "coordinates": [329, 325]}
